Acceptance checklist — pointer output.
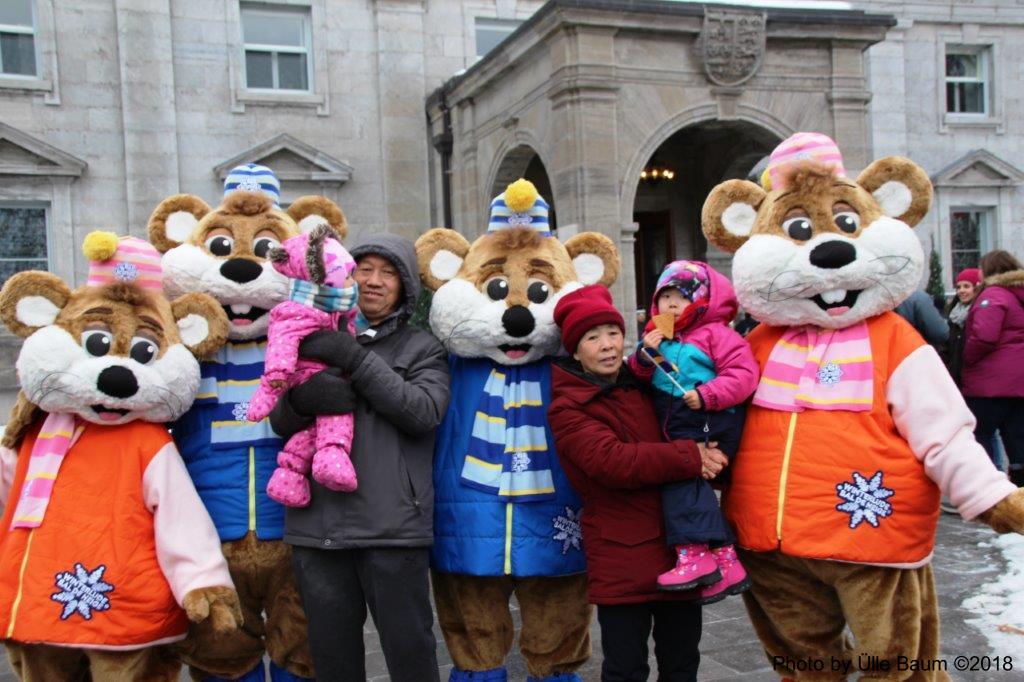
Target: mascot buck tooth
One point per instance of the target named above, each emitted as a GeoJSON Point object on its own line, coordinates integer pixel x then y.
{"type": "Point", "coordinates": [224, 252]}
{"type": "Point", "coordinates": [106, 551]}
{"type": "Point", "coordinates": [506, 519]}
{"type": "Point", "coordinates": [856, 426]}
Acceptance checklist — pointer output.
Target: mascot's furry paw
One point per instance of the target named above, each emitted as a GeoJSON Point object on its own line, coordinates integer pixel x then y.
{"type": "Point", "coordinates": [1007, 516]}
{"type": "Point", "coordinates": [219, 604]}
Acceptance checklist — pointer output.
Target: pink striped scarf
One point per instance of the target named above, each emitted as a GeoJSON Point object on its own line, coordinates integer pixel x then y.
{"type": "Point", "coordinates": [52, 444]}
{"type": "Point", "coordinates": [819, 369]}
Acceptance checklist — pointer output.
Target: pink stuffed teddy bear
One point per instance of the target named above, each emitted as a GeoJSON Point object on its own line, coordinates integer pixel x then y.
{"type": "Point", "coordinates": [322, 294]}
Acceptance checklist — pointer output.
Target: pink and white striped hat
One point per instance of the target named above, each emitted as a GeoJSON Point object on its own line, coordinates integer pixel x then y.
{"type": "Point", "coordinates": [797, 149]}
{"type": "Point", "coordinates": [122, 259]}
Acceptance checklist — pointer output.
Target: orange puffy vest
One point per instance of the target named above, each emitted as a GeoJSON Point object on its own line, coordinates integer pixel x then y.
{"type": "Point", "coordinates": [795, 469]}
{"type": "Point", "coordinates": [51, 587]}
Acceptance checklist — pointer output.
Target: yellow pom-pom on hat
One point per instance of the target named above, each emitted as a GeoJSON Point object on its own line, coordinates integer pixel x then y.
{"type": "Point", "coordinates": [129, 260]}
{"type": "Point", "coordinates": [520, 195]}
{"type": "Point", "coordinates": [766, 181]}
{"type": "Point", "coordinates": [520, 205]}
{"type": "Point", "coordinates": [99, 245]}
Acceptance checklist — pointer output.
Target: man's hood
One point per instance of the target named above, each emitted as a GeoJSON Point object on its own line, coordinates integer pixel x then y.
{"type": "Point", "coordinates": [401, 253]}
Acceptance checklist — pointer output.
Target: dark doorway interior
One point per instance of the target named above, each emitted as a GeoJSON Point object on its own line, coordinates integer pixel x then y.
{"type": "Point", "coordinates": [654, 248]}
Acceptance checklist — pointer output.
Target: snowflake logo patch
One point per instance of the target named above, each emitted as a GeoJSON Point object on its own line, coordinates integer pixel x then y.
{"type": "Point", "coordinates": [82, 592]}
{"type": "Point", "coordinates": [249, 185]}
{"type": "Point", "coordinates": [568, 530]}
{"type": "Point", "coordinates": [520, 462]}
{"type": "Point", "coordinates": [519, 219]}
{"type": "Point", "coordinates": [865, 499]}
{"type": "Point", "coordinates": [829, 374]}
{"type": "Point", "coordinates": [126, 272]}
{"type": "Point", "coordinates": [241, 411]}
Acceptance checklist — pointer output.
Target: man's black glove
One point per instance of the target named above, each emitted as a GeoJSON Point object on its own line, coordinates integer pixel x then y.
{"type": "Point", "coordinates": [323, 393]}
{"type": "Point", "coordinates": [337, 349]}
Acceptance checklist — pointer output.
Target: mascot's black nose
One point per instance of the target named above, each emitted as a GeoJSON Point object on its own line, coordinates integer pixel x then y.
{"type": "Point", "coordinates": [117, 381]}
{"type": "Point", "coordinates": [241, 270]}
{"type": "Point", "coordinates": [518, 321]}
{"type": "Point", "coordinates": [833, 254]}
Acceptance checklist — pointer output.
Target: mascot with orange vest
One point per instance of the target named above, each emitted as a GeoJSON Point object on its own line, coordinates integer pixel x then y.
{"type": "Point", "coordinates": [856, 428]}
{"type": "Point", "coordinates": [106, 551]}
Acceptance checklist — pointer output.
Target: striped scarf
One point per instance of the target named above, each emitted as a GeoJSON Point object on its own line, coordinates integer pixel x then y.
{"type": "Point", "coordinates": [508, 451]}
{"type": "Point", "coordinates": [227, 383]}
{"type": "Point", "coordinates": [53, 442]}
{"type": "Point", "coordinates": [819, 369]}
{"type": "Point", "coordinates": [323, 297]}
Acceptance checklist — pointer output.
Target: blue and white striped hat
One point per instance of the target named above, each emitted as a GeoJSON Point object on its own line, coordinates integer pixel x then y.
{"type": "Point", "coordinates": [252, 177]}
{"type": "Point", "coordinates": [520, 205]}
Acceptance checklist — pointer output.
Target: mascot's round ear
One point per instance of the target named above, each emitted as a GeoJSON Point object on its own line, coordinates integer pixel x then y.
{"type": "Point", "coordinates": [310, 211]}
{"type": "Point", "coordinates": [901, 188]}
{"type": "Point", "coordinates": [595, 258]}
{"type": "Point", "coordinates": [32, 300]}
{"type": "Point", "coordinates": [202, 323]}
{"type": "Point", "coordinates": [439, 253]}
{"type": "Point", "coordinates": [730, 212]}
{"type": "Point", "coordinates": [173, 220]}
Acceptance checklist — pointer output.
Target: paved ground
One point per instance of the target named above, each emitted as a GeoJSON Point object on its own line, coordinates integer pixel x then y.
{"type": "Point", "coordinates": [731, 651]}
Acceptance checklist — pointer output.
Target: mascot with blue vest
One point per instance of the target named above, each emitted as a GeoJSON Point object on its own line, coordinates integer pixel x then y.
{"type": "Point", "coordinates": [506, 520]}
{"type": "Point", "coordinates": [223, 252]}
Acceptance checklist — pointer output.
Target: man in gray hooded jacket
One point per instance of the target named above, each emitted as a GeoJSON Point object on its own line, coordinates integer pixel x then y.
{"type": "Point", "coordinates": [370, 547]}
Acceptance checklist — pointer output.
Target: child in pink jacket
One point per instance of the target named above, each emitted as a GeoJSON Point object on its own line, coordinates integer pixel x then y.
{"type": "Point", "coordinates": [704, 374]}
{"type": "Point", "coordinates": [323, 294]}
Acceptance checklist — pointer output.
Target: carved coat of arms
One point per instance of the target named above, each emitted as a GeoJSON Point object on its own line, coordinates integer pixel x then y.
{"type": "Point", "coordinates": [732, 45]}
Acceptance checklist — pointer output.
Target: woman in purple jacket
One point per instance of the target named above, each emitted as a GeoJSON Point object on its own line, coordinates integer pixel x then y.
{"type": "Point", "coordinates": [993, 361]}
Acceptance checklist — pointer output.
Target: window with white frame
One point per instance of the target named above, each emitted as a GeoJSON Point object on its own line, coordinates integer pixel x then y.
{"type": "Point", "coordinates": [490, 32]}
{"type": "Point", "coordinates": [278, 47]}
{"type": "Point", "coordinates": [22, 239]}
{"type": "Point", "coordinates": [17, 38]}
{"type": "Point", "coordinates": [968, 79]}
{"type": "Point", "coordinates": [970, 236]}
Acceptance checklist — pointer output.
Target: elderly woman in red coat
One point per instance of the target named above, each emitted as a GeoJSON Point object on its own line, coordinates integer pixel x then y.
{"type": "Point", "coordinates": [611, 446]}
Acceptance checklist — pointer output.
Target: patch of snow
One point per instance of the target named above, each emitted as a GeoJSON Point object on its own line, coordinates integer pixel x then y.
{"type": "Point", "coordinates": [1000, 605]}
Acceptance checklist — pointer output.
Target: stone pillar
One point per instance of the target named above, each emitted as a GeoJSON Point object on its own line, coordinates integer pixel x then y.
{"type": "Point", "coordinates": [148, 109]}
{"type": "Point", "coordinates": [849, 98]}
{"type": "Point", "coordinates": [401, 86]}
{"type": "Point", "coordinates": [627, 280]}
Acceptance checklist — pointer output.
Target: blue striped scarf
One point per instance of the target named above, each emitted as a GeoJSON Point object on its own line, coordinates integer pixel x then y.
{"type": "Point", "coordinates": [508, 451]}
{"type": "Point", "coordinates": [227, 383]}
{"type": "Point", "coordinates": [323, 297]}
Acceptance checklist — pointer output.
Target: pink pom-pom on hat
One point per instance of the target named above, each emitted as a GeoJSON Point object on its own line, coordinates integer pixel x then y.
{"type": "Point", "coordinates": [802, 148]}
{"type": "Point", "coordinates": [122, 259]}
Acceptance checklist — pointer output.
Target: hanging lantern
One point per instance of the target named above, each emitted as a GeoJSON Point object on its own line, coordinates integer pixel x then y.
{"type": "Point", "coordinates": [657, 172]}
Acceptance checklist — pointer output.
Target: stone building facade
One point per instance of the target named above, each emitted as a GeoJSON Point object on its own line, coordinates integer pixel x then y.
{"type": "Point", "coordinates": [108, 106]}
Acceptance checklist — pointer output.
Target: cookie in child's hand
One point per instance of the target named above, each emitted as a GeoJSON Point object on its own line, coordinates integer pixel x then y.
{"type": "Point", "coordinates": [665, 323]}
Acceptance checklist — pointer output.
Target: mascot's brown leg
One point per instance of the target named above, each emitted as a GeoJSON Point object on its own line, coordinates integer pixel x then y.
{"type": "Point", "coordinates": [796, 615]}
{"type": "Point", "coordinates": [556, 623]}
{"type": "Point", "coordinates": [231, 654]}
{"type": "Point", "coordinates": [45, 663]}
{"type": "Point", "coordinates": [155, 664]}
{"type": "Point", "coordinates": [287, 638]}
{"type": "Point", "coordinates": [893, 613]}
{"type": "Point", "coordinates": [474, 617]}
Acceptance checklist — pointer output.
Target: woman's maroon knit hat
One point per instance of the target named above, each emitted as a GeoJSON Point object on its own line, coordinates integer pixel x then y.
{"type": "Point", "coordinates": [582, 310]}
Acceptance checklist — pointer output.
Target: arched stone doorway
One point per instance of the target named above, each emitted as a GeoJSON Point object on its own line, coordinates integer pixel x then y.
{"type": "Point", "coordinates": [524, 162]}
{"type": "Point", "coordinates": [667, 211]}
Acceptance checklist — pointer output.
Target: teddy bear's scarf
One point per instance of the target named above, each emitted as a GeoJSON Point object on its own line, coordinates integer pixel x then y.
{"type": "Point", "coordinates": [52, 444]}
{"type": "Point", "coordinates": [508, 451]}
{"type": "Point", "coordinates": [819, 369]}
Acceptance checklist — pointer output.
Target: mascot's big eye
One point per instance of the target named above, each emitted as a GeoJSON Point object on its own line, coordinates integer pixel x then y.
{"type": "Point", "coordinates": [538, 291]}
{"type": "Point", "coordinates": [497, 288]}
{"type": "Point", "coordinates": [798, 228]}
{"type": "Point", "coordinates": [263, 245]}
{"type": "Point", "coordinates": [143, 350]}
{"type": "Point", "coordinates": [220, 245]}
{"type": "Point", "coordinates": [96, 342]}
{"type": "Point", "coordinates": [847, 221]}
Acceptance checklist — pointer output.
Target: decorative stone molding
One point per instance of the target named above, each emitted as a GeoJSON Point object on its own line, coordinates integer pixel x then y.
{"type": "Point", "coordinates": [295, 161]}
{"type": "Point", "coordinates": [732, 45]}
{"type": "Point", "coordinates": [978, 168]}
{"type": "Point", "coordinates": [22, 154]}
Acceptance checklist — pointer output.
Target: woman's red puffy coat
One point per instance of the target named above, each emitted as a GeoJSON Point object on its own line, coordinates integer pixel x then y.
{"type": "Point", "coordinates": [611, 447]}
